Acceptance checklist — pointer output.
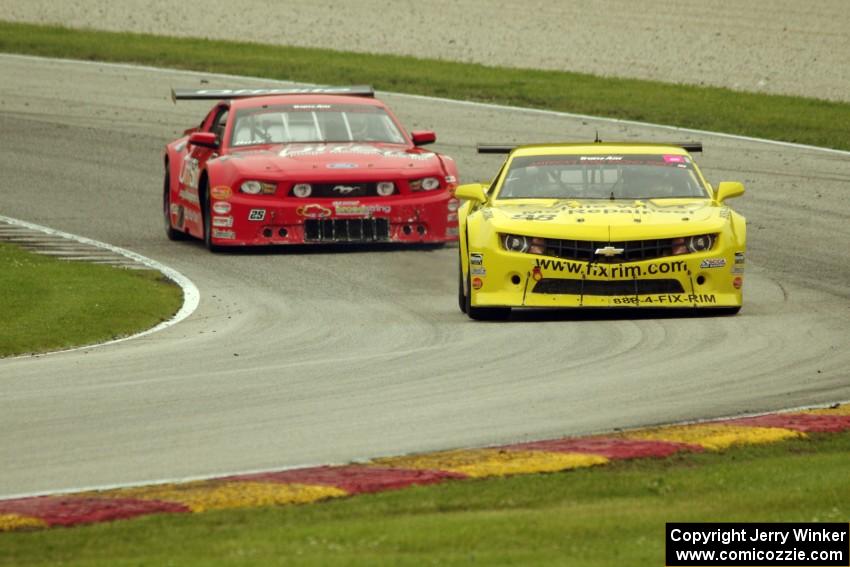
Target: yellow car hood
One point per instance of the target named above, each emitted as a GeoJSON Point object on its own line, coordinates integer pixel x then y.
{"type": "Point", "coordinates": [607, 220]}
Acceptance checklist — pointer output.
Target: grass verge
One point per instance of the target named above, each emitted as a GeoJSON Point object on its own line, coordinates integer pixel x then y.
{"type": "Point", "coordinates": [792, 119]}
{"type": "Point", "coordinates": [48, 304]}
{"type": "Point", "coordinates": [612, 515]}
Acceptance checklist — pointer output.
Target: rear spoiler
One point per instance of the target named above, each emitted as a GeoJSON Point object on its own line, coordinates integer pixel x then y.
{"type": "Point", "coordinates": [691, 147]}
{"type": "Point", "coordinates": [220, 94]}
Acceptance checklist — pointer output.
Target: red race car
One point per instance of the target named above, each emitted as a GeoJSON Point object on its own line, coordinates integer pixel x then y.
{"type": "Point", "coordinates": [311, 165]}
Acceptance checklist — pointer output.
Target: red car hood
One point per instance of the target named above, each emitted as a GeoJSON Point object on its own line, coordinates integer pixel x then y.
{"type": "Point", "coordinates": [356, 159]}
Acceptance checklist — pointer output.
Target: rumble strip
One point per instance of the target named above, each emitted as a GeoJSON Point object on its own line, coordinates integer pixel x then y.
{"type": "Point", "coordinates": [306, 485]}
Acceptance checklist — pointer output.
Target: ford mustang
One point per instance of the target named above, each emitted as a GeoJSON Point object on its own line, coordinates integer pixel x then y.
{"type": "Point", "coordinates": [312, 165]}
{"type": "Point", "coordinates": [599, 225]}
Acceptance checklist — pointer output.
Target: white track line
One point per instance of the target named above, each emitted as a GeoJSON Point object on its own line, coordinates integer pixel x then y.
{"type": "Point", "coordinates": [130, 66]}
{"type": "Point", "coordinates": [191, 295]}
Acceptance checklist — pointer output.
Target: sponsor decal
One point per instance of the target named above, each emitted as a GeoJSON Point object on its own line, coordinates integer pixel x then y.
{"type": "Point", "coordinates": [451, 217]}
{"type": "Point", "coordinates": [674, 159]}
{"type": "Point", "coordinates": [453, 204]}
{"type": "Point", "coordinates": [341, 165]}
{"type": "Point", "coordinates": [313, 211]}
{"type": "Point", "coordinates": [225, 234]}
{"type": "Point", "coordinates": [192, 216]}
{"type": "Point", "coordinates": [451, 231]}
{"type": "Point", "coordinates": [477, 283]}
{"type": "Point", "coordinates": [180, 146]}
{"type": "Point", "coordinates": [221, 192]}
{"type": "Point", "coordinates": [667, 299]}
{"type": "Point", "coordinates": [738, 282]}
{"type": "Point", "coordinates": [601, 158]}
{"type": "Point", "coordinates": [739, 257]}
{"type": "Point", "coordinates": [221, 208]}
{"type": "Point", "coordinates": [257, 215]}
{"type": "Point", "coordinates": [189, 196]}
{"type": "Point", "coordinates": [713, 263]}
{"type": "Point", "coordinates": [189, 172]}
{"type": "Point", "coordinates": [175, 208]}
{"type": "Point", "coordinates": [737, 270]}
{"type": "Point", "coordinates": [615, 271]}
{"type": "Point", "coordinates": [451, 178]}
{"type": "Point", "coordinates": [349, 208]}
{"type": "Point", "coordinates": [476, 259]}
{"type": "Point", "coordinates": [724, 213]}
{"type": "Point", "coordinates": [478, 271]}
{"type": "Point", "coordinates": [226, 222]}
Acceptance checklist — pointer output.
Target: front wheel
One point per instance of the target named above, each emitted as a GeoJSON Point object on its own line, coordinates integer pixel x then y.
{"type": "Point", "coordinates": [461, 293]}
{"type": "Point", "coordinates": [484, 313]}
{"type": "Point", "coordinates": [208, 222]}
{"type": "Point", "coordinates": [171, 232]}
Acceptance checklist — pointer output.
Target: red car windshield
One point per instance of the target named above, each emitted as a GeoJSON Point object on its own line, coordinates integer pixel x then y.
{"type": "Point", "coordinates": [306, 123]}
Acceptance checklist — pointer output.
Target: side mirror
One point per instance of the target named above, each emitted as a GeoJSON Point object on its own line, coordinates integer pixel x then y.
{"type": "Point", "coordinates": [729, 189]}
{"type": "Point", "coordinates": [423, 137]}
{"type": "Point", "coordinates": [204, 139]}
{"type": "Point", "coordinates": [471, 192]}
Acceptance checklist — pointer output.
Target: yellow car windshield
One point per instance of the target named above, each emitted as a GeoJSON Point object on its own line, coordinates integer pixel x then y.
{"type": "Point", "coordinates": [614, 176]}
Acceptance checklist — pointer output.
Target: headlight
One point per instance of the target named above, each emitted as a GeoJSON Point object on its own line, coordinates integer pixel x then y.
{"type": "Point", "coordinates": [518, 243]}
{"type": "Point", "coordinates": [257, 187]}
{"type": "Point", "coordinates": [385, 188]}
{"type": "Point", "coordinates": [426, 184]}
{"type": "Point", "coordinates": [302, 189]}
{"type": "Point", "coordinates": [690, 244]}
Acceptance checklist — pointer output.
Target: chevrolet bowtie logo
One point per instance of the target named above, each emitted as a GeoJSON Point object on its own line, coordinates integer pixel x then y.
{"type": "Point", "coordinates": [609, 251]}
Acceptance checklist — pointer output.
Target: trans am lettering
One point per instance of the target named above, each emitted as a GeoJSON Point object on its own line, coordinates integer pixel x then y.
{"type": "Point", "coordinates": [617, 271]}
{"type": "Point", "coordinates": [667, 299]}
{"type": "Point", "coordinates": [359, 149]}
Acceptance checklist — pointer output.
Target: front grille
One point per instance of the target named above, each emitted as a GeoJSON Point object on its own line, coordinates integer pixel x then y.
{"type": "Point", "coordinates": [346, 230]}
{"type": "Point", "coordinates": [343, 190]}
{"type": "Point", "coordinates": [605, 287]}
{"type": "Point", "coordinates": [633, 250]}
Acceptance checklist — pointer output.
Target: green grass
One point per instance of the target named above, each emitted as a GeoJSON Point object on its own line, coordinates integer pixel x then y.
{"type": "Point", "coordinates": [48, 304]}
{"type": "Point", "coordinates": [793, 119]}
{"type": "Point", "coordinates": [612, 515]}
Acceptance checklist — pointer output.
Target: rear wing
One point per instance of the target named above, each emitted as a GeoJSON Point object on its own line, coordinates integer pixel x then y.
{"type": "Point", "coordinates": [691, 147]}
{"type": "Point", "coordinates": [220, 94]}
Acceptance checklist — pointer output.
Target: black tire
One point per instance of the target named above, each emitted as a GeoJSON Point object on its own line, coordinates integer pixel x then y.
{"type": "Point", "coordinates": [171, 232]}
{"type": "Point", "coordinates": [207, 216]}
{"type": "Point", "coordinates": [725, 311]}
{"type": "Point", "coordinates": [461, 294]}
{"type": "Point", "coordinates": [484, 313]}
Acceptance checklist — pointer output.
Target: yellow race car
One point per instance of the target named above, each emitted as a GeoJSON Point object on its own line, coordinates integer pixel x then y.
{"type": "Point", "coordinates": [599, 225]}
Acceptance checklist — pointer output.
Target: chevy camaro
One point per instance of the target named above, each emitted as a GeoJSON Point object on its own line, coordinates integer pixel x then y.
{"type": "Point", "coordinates": [296, 166]}
{"type": "Point", "coordinates": [599, 225]}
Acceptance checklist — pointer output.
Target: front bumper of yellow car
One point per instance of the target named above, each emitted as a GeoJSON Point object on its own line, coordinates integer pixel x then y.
{"type": "Point", "coordinates": [500, 278]}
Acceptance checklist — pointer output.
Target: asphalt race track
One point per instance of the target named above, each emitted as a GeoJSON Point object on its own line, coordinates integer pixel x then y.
{"type": "Point", "coordinates": [323, 357]}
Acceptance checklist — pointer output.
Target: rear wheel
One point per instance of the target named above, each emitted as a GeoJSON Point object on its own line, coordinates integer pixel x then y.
{"type": "Point", "coordinates": [171, 232]}
{"type": "Point", "coordinates": [484, 313]}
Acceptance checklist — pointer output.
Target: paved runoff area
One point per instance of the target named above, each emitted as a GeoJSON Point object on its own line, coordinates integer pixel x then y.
{"type": "Point", "coordinates": [307, 485]}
